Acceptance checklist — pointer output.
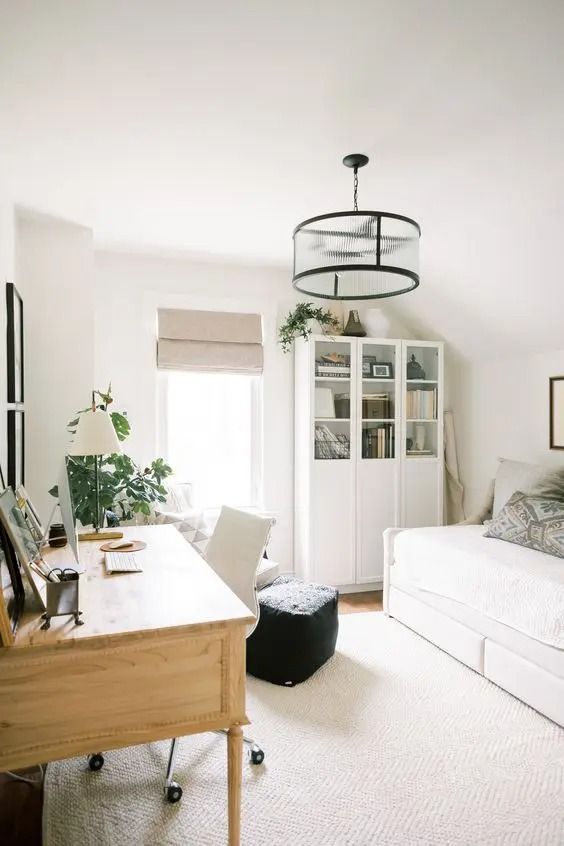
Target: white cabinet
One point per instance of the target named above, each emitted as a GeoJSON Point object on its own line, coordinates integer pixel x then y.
{"type": "Point", "coordinates": [368, 451]}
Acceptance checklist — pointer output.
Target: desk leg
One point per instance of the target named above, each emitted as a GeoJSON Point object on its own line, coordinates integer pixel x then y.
{"type": "Point", "coordinates": [234, 771]}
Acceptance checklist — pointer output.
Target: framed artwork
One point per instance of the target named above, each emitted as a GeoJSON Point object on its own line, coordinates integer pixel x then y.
{"type": "Point", "coordinates": [367, 362]}
{"type": "Point", "coordinates": [383, 370]}
{"type": "Point", "coordinates": [30, 513]}
{"type": "Point", "coordinates": [15, 344]}
{"type": "Point", "coordinates": [556, 412]}
{"type": "Point", "coordinates": [19, 533]}
{"type": "Point", "coordinates": [16, 447]}
{"type": "Point", "coordinates": [12, 593]}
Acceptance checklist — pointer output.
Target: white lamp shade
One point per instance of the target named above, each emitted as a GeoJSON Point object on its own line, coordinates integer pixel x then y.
{"type": "Point", "coordinates": [95, 435]}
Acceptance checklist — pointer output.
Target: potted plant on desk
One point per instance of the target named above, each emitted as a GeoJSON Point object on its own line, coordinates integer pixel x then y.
{"type": "Point", "coordinates": [124, 489]}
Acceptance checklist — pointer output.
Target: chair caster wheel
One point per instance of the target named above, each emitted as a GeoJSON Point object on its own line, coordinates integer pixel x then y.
{"type": "Point", "coordinates": [96, 762]}
{"type": "Point", "coordinates": [173, 792]}
{"type": "Point", "coordinates": [256, 755]}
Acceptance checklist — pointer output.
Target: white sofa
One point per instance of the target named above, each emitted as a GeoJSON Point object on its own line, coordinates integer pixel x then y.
{"type": "Point", "coordinates": [495, 606]}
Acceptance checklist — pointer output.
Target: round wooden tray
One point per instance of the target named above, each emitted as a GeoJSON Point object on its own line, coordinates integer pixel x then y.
{"type": "Point", "coordinates": [135, 547]}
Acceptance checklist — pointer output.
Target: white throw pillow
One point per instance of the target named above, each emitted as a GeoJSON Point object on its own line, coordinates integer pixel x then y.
{"type": "Point", "coordinates": [514, 476]}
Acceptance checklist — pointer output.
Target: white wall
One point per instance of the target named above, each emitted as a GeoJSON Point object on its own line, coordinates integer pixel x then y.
{"type": "Point", "coordinates": [502, 411]}
{"type": "Point", "coordinates": [130, 289]}
{"type": "Point", "coordinates": [54, 272]}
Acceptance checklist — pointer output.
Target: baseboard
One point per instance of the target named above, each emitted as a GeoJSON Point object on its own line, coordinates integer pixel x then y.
{"type": "Point", "coordinates": [363, 588]}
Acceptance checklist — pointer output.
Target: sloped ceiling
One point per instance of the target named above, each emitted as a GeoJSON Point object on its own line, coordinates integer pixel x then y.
{"type": "Point", "coordinates": [214, 128]}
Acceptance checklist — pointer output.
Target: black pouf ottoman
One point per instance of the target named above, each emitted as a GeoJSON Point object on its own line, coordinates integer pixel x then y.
{"type": "Point", "coordinates": [296, 633]}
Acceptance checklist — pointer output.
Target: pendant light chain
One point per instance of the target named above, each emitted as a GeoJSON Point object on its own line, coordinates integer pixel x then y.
{"type": "Point", "coordinates": [355, 184]}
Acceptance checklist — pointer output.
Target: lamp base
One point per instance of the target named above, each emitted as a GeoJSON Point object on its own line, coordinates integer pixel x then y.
{"type": "Point", "coordinates": [99, 536]}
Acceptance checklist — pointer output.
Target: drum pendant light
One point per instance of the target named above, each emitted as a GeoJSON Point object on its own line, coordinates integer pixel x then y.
{"type": "Point", "coordinates": [356, 255]}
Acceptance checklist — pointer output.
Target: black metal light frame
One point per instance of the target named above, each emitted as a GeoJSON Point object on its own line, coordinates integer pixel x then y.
{"type": "Point", "coordinates": [354, 161]}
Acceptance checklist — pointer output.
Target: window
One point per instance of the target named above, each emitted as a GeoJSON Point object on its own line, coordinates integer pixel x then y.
{"type": "Point", "coordinates": [212, 435]}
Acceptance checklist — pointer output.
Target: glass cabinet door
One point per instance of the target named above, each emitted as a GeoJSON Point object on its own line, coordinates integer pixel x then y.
{"type": "Point", "coordinates": [421, 400]}
{"type": "Point", "coordinates": [333, 362]}
{"type": "Point", "coordinates": [377, 400]}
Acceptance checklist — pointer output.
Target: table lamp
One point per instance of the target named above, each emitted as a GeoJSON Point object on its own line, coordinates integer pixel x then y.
{"type": "Point", "coordinates": [95, 435]}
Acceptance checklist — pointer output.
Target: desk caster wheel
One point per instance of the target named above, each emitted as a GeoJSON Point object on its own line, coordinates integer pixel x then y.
{"type": "Point", "coordinates": [173, 792]}
{"type": "Point", "coordinates": [256, 755]}
{"type": "Point", "coordinates": [96, 762]}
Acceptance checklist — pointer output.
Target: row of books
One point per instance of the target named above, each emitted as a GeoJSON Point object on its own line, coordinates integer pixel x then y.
{"type": "Point", "coordinates": [421, 404]}
{"type": "Point", "coordinates": [330, 444]}
{"type": "Point", "coordinates": [378, 442]}
{"type": "Point", "coordinates": [335, 365]}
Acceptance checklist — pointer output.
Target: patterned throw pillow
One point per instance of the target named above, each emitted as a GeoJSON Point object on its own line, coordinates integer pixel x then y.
{"type": "Point", "coordinates": [191, 526]}
{"type": "Point", "coordinates": [533, 521]}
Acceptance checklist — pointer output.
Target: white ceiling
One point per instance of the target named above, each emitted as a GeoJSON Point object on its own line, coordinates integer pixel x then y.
{"type": "Point", "coordinates": [214, 128]}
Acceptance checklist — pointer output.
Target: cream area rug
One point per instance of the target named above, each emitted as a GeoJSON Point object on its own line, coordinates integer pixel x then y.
{"type": "Point", "coordinates": [392, 742]}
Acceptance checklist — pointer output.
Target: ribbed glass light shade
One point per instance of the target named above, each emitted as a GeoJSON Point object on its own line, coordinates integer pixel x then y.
{"type": "Point", "coordinates": [356, 255]}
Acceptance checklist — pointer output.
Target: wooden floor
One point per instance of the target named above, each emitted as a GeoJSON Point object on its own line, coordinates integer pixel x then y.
{"type": "Point", "coordinates": [21, 804]}
{"type": "Point", "coordinates": [352, 603]}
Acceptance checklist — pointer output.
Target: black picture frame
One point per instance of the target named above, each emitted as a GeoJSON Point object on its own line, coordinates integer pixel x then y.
{"type": "Point", "coordinates": [11, 582]}
{"type": "Point", "coordinates": [556, 413]}
{"type": "Point", "coordinates": [383, 370]}
{"type": "Point", "coordinates": [15, 344]}
{"type": "Point", "coordinates": [16, 448]}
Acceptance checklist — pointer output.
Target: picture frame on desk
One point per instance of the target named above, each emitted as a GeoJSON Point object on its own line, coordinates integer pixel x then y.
{"type": "Point", "coordinates": [12, 593]}
{"type": "Point", "coordinates": [15, 344]}
{"type": "Point", "coordinates": [19, 534]}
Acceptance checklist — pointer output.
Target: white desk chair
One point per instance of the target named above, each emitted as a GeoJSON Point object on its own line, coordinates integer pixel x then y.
{"type": "Point", "coordinates": [235, 552]}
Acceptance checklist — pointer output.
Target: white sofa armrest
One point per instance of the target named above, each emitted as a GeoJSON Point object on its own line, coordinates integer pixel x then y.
{"type": "Point", "coordinates": [485, 512]}
{"type": "Point", "coordinates": [389, 536]}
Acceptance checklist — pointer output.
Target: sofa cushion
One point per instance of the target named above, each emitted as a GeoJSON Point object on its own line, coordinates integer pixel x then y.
{"type": "Point", "coordinates": [190, 524]}
{"type": "Point", "coordinates": [514, 476]}
{"type": "Point", "coordinates": [517, 586]}
{"type": "Point", "coordinates": [536, 522]}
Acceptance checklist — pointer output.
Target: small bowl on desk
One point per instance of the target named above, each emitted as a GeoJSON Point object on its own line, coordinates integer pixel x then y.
{"type": "Point", "coordinates": [57, 535]}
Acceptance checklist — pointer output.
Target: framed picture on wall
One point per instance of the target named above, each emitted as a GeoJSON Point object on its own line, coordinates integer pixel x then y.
{"type": "Point", "coordinates": [16, 448]}
{"type": "Point", "coordinates": [556, 411]}
{"type": "Point", "coordinates": [15, 344]}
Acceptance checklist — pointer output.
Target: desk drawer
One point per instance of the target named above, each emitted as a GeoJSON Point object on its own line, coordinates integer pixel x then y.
{"type": "Point", "coordinates": [92, 695]}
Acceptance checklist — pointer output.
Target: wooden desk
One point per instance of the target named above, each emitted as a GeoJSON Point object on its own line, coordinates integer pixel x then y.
{"type": "Point", "coordinates": [161, 654]}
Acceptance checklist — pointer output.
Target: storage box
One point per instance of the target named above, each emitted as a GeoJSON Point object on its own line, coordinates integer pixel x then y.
{"type": "Point", "coordinates": [342, 405]}
{"type": "Point", "coordinates": [377, 408]}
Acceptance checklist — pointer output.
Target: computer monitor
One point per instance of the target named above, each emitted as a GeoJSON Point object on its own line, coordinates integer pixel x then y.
{"type": "Point", "coordinates": [67, 512]}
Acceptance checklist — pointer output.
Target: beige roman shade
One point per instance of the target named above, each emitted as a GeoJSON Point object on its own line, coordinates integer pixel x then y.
{"type": "Point", "coordinates": [209, 340]}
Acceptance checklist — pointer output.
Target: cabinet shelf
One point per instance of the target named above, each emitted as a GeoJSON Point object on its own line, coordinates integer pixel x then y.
{"type": "Point", "coordinates": [421, 420]}
{"type": "Point", "coordinates": [378, 419]}
{"type": "Point", "coordinates": [422, 381]}
{"type": "Point", "coordinates": [332, 378]}
{"type": "Point", "coordinates": [332, 419]}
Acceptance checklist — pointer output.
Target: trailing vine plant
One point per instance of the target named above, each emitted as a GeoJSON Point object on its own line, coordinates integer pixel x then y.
{"type": "Point", "coordinates": [297, 324]}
